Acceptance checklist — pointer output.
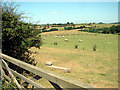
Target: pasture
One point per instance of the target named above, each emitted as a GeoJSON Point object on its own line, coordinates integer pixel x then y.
{"type": "Point", "coordinates": [96, 68]}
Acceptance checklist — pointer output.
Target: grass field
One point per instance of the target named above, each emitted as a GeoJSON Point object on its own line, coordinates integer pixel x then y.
{"type": "Point", "coordinates": [96, 68]}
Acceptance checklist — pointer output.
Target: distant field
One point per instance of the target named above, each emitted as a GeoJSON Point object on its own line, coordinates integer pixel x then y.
{"type": "Point", "coordinates": [97, 25]}
{"type": "Point", "coordinates": [96, 68]}
{"type": "Point", "coordinates": [103, 25]}
{"type": "Point", "coordinates": [78, 25]}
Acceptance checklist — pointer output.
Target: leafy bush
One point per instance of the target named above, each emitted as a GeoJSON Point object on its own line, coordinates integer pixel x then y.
{"type": "Point", "coordinates": [117, 29]}
{"type": "Point", "coordinates": [9, 85]}
{"type": "Point", "coordinates": [81, 27]}
{"type": "Point", "coordinates": [105, 30]}
{"type": "Point", "coordinates": [45, 31]}
{"type": "Point", "coordinates": [17, 36]}
{"type": "Point", "coordinates": [52, 29]}
{"type": "Point", "coordinates": [113, 29]}
{"type": "Point", "coordinates": [44, 28]}
{"type": "Point", "coordinates": [67, 28]}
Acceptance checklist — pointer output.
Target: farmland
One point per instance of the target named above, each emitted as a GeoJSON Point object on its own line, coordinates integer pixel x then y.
{"type": "Point", "coordinates": [78, 37]}
{"type": "Point", "coordinates": [96, 68]}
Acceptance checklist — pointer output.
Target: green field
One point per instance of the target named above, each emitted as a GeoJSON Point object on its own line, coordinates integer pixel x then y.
{"type": "Point", "coordinates": [96, 68]}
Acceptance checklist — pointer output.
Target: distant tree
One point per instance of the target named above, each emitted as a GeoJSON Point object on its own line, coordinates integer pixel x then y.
{"type": "Point", "coordinates": [65, 27]}
{"type": "Point", "coordinates": [112, 29]}
{"type": "Point", "coordinates": [115, 32]}
{"type": "Point", "coordinates": [83, 26]}
{"type": "Point", "coordinates": [105, 30]}
{"type": "Point", "coordinates": [89, 24]}
{"type": "Point", "coordinates": [53, 29]}
{"type": "Point", "coordinates": [72, 23]}
{"type": "Point", "coordinates": [90, 28]}
{"type": "Point", "coordinates": [54, 23]}
{"type": "Point", "coordinates": [93, 29]}
{"type": "Point", "coordinates": [68, 23]}
{"type": "Point", "coordinates": [44, 28]}
{"type": "Point", "coordinates": [73, 26]}
{"type": "Point", "coordinates": [59, 24]}
{"type": "Point", "coordinates": [100, 23]}
{"type": "Point", "coordinates": [68, 28]}
{"type": "Point", "coordinates": [48, 25]}
{"type": "Point", "coordinates": [117, 29]}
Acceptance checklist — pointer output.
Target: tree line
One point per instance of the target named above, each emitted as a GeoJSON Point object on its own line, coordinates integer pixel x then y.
{"type": "Point", "coordinates": [106, 30]}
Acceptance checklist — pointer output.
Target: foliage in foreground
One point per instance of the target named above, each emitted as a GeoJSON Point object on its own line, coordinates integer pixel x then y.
{"type": "Point", "coordinates": [8, 85]}
{"type": "Point", "coordinates": [17, 36]}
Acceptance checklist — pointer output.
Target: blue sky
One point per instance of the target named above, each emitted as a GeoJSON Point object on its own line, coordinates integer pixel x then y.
{"type": "Point", "coordinates": [63, 12]}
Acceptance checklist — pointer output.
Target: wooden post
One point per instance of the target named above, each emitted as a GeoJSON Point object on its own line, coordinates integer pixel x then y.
{"type": "Point", "coordinates": [0, 70]}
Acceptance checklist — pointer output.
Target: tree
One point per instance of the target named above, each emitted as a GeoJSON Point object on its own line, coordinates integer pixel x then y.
{"type": "Point", "coordinates": [73, 26]}
{"type": "Point", "coordinates": [112, 29]}
{"type": "Point", "coordinates": [89, 24]}
{"type": "Point", "coordinates": [100, 23]}
{"type": "Point", "coordinates": [105, 30]}
{"type": "Point", "coordinates": [54, 23]}
{"type": "Point", "coordinates": [72, 23]}
{"type": "Point", "coordinates": [44, 28]}
{"type": "Point", "coordinates": [48, 25]}
{"type": "Point", "coordinates": [17, 36]}
{"type": "Point", "coordinates": [68, 23]}
{"type": "Point", "coordinates": [117, 29]}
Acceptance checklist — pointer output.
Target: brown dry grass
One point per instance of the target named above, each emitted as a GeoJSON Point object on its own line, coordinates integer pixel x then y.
{"type": "Point", "coordinates": [83, 69]}
{"type": "Point", "coordinates": [98, 69]}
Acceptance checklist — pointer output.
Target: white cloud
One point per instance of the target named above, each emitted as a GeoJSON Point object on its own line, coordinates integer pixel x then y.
{"type": "Point", "coordinates": [53, 12]}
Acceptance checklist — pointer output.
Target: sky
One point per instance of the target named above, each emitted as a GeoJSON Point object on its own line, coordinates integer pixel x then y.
{"type": "Point", "coordinates": [63, 12]}
{"type": "Point", "coordinates": [61, 0]}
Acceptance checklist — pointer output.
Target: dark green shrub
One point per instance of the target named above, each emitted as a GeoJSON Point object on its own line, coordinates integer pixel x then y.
{"type": "Point", "coordinates": [55, 43]}
{"type": "Point", "coordinates": [17, 36]}
{"type": "Point", "coordinates": [117, 29]}
{"type": "Point", "coordinates": [105, 30]}
{"type": "Point", "coordinates": [10, 85]}
{"type": "Point", "coordinates": [68, 28]}
{"type": "Point", "coordinates": [44, 28]}
{"type": "Point", "coordinates": [45, 31]}
{"type": "Point", "coordinates": [53, 29]}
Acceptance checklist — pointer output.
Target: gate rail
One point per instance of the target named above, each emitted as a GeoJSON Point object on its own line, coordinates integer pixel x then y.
{"type": "Point", "coordinates": [57, 81]}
